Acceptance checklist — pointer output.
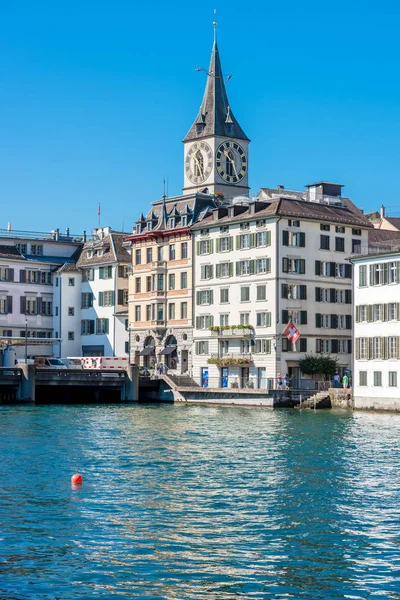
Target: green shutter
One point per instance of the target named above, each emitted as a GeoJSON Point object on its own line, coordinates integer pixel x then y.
{"type": "Point", "coordinates": [211, 271]}
{"type": "Point", "coordinates": [211, 246]}
{"type": "Point", "coordinates": [217, 270]}
{"type": "Point", "coordinates": [106, 325]}
{"type": "Point", "coordinates": [268, 346]}
{"type": "Point", "coordinates": [268, 319]}
{"type": "Point", "coordinates": [285, 265]}
{"type": "Point", "coordinates": [113, 298]}
{"type": "Point", "coordinates": [268, 238]}
{"type": "Point", "coordinates": [101, 273]}
{"type": "Point", "coordinates": [238, 246]}
{"type": "Point", "coordinates": [218, 245]}
{"type": "Point", "coordinates": [285, 316]}
{"type": "Point", "coordinates": [252, 240]}
{"type": "Point", "coordinates": [230, 243]}
{"type": "Point", "coordinates": [303, 317]}
{"type": "Point", "coordinates": [211, 297]}
{"type": "Point", "coordinates": [101, 298]}
{"type": "Point", "coordinates": [318, 267]}
{"type": "Point", "coordinates": [197, 298]}
{"type": "Point", "coordinates": [231, 269]}
{"type": "Point", "coordinates": [285, 238]}
{"type": "Point", "coordinates": [302, 239]}
{"type": "Point", "coordinates": [252, 267]}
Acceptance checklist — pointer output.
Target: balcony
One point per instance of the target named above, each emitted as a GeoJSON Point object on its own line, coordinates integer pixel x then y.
{"type": "Point", "coordinates": [230, 360]}
{"type": "Point", "coordinates": [230, 331]}
{"type": "Point", "coordinates": [159, 264]}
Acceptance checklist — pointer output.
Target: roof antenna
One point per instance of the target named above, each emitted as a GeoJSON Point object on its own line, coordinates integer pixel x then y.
{"type": "Point", "coordinates": [215, 26]}
{"type": "Point", "coordinates": [164, 195]}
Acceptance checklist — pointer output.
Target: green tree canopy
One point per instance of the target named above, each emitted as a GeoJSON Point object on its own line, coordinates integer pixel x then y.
{"type": "Point", "coordinates": [319, 364]}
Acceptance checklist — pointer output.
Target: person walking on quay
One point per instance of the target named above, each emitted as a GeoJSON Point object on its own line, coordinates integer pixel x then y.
{"type": "Point", "coordinates": [345, 381]}
{"type": "Point", "coordinates": [336, 380]}
{"type": "Point", "coordinates": [279, 382]}
{"type": "Point", "coordinates": [287, 381]}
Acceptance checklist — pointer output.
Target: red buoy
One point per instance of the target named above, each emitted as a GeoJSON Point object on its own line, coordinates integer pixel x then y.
{"type": "Point", "coordinates": [75, 479]}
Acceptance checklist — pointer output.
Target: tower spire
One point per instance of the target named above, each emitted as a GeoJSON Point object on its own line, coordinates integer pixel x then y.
{"type": "Point", "coordinates": [212, 117]}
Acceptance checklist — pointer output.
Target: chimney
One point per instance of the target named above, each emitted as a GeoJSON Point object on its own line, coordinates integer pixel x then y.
{"type": "Point", "coordinates": [67, 232]}
{"type": "Point", "coordinates": [84, 237]}
{"type": "Point", "coordinates": [280, 187]}
{"type": "Point", "coordinates": [382, 211]}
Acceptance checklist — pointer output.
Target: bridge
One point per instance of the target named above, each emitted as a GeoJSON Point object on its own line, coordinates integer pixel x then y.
{"type": "Point", "coordinates": [27, 383]}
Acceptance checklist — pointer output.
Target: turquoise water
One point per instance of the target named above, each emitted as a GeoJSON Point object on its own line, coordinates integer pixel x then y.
{"type": "Point", "coordinates": [184, 502]}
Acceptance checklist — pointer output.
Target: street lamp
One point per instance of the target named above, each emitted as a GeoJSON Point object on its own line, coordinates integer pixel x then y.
{"type": "Point", "coordinates": [26, 341]}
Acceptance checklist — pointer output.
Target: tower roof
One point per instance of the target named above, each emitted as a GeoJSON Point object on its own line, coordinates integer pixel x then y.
{"type": "Point", "coordinates": [215, 116]}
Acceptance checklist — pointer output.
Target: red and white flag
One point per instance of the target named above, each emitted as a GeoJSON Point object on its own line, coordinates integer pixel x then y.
{"type": "Point", "coordinates": [291, 332]}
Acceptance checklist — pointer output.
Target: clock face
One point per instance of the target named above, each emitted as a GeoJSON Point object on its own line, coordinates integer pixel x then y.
{"type": "Point", "coordinates": [231, 161]}
{"type": "Point", "coordinates": [198, 162]}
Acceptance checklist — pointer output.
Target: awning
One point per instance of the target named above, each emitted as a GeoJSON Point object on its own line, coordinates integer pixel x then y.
{"type": "Point", "coordinates": [147, 351]}
{"type": "Point", "coordinates": [168, 350]}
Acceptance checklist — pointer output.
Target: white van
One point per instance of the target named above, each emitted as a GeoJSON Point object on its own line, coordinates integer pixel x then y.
{"type": "Point", "coordinates": [44, 362]}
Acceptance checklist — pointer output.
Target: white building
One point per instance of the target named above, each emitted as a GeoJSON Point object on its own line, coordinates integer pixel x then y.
{"type": "Point", "coordinates": [377, 331]}
{"type": "Point", "coordinates": [28, 261]}
{"type": "Point", "coordinates": [260, 264]}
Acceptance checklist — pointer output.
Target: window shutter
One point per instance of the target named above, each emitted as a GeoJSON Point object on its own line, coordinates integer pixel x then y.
{"type": "Point", "coordinates": [317, 294]}
{"type": "Point", "coordinates": [197, 322]}
{"type": "Point", "coordinates": [9, 305]}
{"type": "Point", "coordinates": [285, 238]}
{"type": "Point", "coordinates": [91, 326]}
{"type": "Point", "coordinates": [238, 244]}
{"type": "Point", "coordinates": [211, 320]}
{"type": "Point", "coordinates": [285, 344]}
{"type": "Point", "coordinates": [332, 269]}
{"type": "Point", "coordinates": [357, 314]}
{"type": "Point", "coordinates": [211, 246]}
{"type": "Point", "coordinates": [285, 316]}
{"type": "Point", "coordinates": [113, 298]}
{"type": "Point", "coordinates": [318, 320]}
{"type": "Point", "coordinates": [101, 273]}
{"type": "Point", "coordinates": [268, 238]}
{"type": "Point", "coordinates": [349, 346]}
{"type": "Point", "coordinates": [268, 319]}
{"type": "Point", "coordinates": [370, 348]}
{"type": "Point", "coordinates": [101, 298]}
{"type": "Point", "coordinates": [230, 269]}
{"type": "Point", "coordinates": [385, 312]}
{"type": "Point", "coordinates": [120, 271]}
{"type": "Point", "coordinates": [237, 268]}
{"type": "Point", "coordinates": [303, 344]}
{"type": "Point", "coordinates": [106, 325]}
{"type": "Point", "coordinates": [357, 348]}
{"type": "Point", "coordinates": [303, 292]}
{"type": "Point", "coordinates": [23, 305]}
{"type": "Point", "coordinates": [22, 276]}
{"type": "Point", "coordinates": [211, 271]}
{"type": "Point", "coordinates": [318, 267]}
{"type": "Point", "coordinates": [217, 270]}
{"type": "Point", "coordinates": [212, 297]}
{"type": "Point", "coordinates": [252, 267]}
{"type": "Point", "coordinates": [218, 245]}
{"type": "Point", "coordinates": [347, 295]}
{"type": "Point", "coordinates": [197, 248]}
{"type": "Point", "coordinates": [302, 266]}
{"type": "Point", "coordinates": [230, 243]}
{"type": "Point", "coordinates": [197, 298]}
{"type": "Point", "coordinates": [268, 267]}
{"type": "Point", "coordinates": [39, 306]}
{"type": "Point", "coordinates": [197, 347]}
{"type": "Point", "coordinates": [370, 311]}
{"type": "Point", "coordinates": [284, 290]}
{"type": "Point", "coordinates": [385, 272]}
{"type": "Point", "coordinates": [347, 271]}
{"type": "Point", "coordinates": [202, 272]}
{"type": "Point", "coordinates": [10, 274]}
{"type": "Point", "coordinates": [267, 346]}
{"type": "Point", "coordinates": [371, 274]}
{"type": "Point", "coordinates": [285, 265]}
{"type": "Point", "coordinates": [348, 321]}
{"type": "Point", "coordinates": [334, 346]}
{"type": "Point", "coordinates": [302, 239]}
{"type": "Point", "coordinates": [318, 346]}
{"type": "Point", "coordinates": [303, 317]}
{"type": "Point", "coordinates": [90, 299]}
{"type": "Point", "coordinates": [334, 321]}
{"type": "Point", "coordinates": [120, 297]}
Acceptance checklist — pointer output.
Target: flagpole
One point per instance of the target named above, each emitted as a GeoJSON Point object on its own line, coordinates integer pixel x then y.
{"type": "Point", "coordinates": [98, 212]}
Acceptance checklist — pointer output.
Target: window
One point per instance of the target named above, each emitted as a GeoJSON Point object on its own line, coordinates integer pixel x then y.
{"type": "Point", "coordinates": [71, 336]}
{"type": "Point", "coordinates": [5, 305]}
{"type": "Point", "coordinates": [71, 281]}
{"type": "Point", "coordinates": [377, 378]}
{"type": "Point", "coordinates": [356, 246]}
{"type": "Point", "coordinates": [204, 247]}
{"type": "Point", "coordinates": [28, 305]}
{"type": "Point", "coordinates": [362, 378]}
{"type": "Point", "coordinates": [22, 248]}
{"type": "Point", "coordinates": [261, 292]}
{"type": "Point", "coordinates": [56, 311]}
{"type": "Point", "coordinates": [244, 318]}
{"type": "Point", "coordinates": [378, 312]}
{"type": "Point", "coordinates": [6, 274]}
{"type": "Point", "coordinates": [87, 327]}
{"type": "Point", "coordinates": [245, 294]}
{"type": "Point", "coordinates": [299, 346]}
{"type": "Point", "coordinates": [244, 346]}
{"type": "Point", "coordinates": [184, 280]}
{"type": "Point", "coordinates": [224, 244]}
{"type": "Point", "coordinates": [324, 242]}
{"type": "Point", "coordinates": [206, 272]}
{"type": "Point", "coordinates": [149, 255]}
{"type": "Point", "coordinates": [171, 281]}
{"type": "Point", "coordinates": [244, 242]}
{"type": "Point", "coordinates": [160, 312]}
{"type": "Point", "coordinates": [260, 223]}
{"type": "Point", "coordinates": [340, 229]}
{"type": "Point", "coordinates": [204, 321]}
{"type": "Point", "coordinates": [377, 347]}
{"type": "Point", "coordinates": [392, 311]}
{"type": "Point", "coordinates": [362, 275]}
{"type": "Point", "coordinates": [291, 238]}
{"type": "Point", "coordinates": [263, 238]}
{"type": "Point", "coordinates": [7, 332]}
{"type": "Point", "coordinates": [243, 267]}
{"type": "Point", "coordinates": [356, 231]}
{"type": "Point", "coordinates": [160, 254]}
{"type": "Point", "coordinates": [172, 252]}
{"type": "Point", "coordinates": [171, 311]}
{"type": "Point", "coordinates": [106, 272]}
{"type": "Point", "coordinates": [160, 282]}
{"type": "Point", "coordinates": [293, 265]}
{"type": "Point", "coordinates": [224, 296]}
{"type": "Point", "coordinates": [204, 232]}
{"type": "Point", "coordinates": [224, 270]}
{"type": "Point", "coordinates": [71, 311]}
{"type": "Point", "coordinates": [361, 348]}
{"type": "Point", "coordinates": [339, 244]}
{"type": "Point", "coordinates": [88, 275]}
{"type": "Point", "coordinates": [244, 226]}
{"type": "Point", "coordinates": [138, 313]}
{"type": "Point", "coordinates": [87, 300]}
{"type": "Point", "coordinates": [224, 347]}
{"type": "Point", "coordinates": [138, 285]}
{"type": "Point", "coordinates": [224, 319]}
{"type": "Point", "coordinates": [171, 222]}
{"type": "Point", "coordinates": [201, 347]}
{"type": "Point", "coordinates": [184, 310]}
{"type": "Point", "coordinates": [148, 283]}
{"type": "Point", "coordinates": [184, 250]}
{"type": "Point", "coordinates": [204, 297]}
{"type": "Point", "coordinates": [292, 223]}
{"type": "Point", "coordinates": [224, 229]}
{"type": "Point", "coordinates": [392, 378]}
{"type": "Point", "coordinates": [324, 227]}
{"type": "Point", "coordinates": [263, 319]}
{"type": "Point", "coordinates": [148, 312]}
{"type": "Point", "coordinates": [102, 326]}
{"type": "Point", "coordinates": [138, 257]}
{"type": "Point", "coordinates": [262, 347]}
{"type": "Point", "coordinates": [294, 292]}
{"type": "Point", "coordinates": [392, 347]}
{"type": "Point", "coordinates": [263, 265]}
{"type": "Point", "coordinates": [108, 299]}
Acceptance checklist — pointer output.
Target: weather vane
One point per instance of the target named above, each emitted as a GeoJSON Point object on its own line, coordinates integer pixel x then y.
{"type": "Point", "coordinates": [209, 73]}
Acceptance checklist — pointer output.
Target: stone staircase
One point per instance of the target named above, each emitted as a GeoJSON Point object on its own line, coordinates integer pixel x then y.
{"type": "Point", "coordinates": [317, 401]}
{"type": "Point", "coordinates": [180, 381]}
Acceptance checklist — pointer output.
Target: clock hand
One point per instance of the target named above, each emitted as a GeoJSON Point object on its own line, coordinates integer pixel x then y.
{"type": "Point", "coordinates": [199, 166]}
{"type": "Point", "coordinates": [231, 161]}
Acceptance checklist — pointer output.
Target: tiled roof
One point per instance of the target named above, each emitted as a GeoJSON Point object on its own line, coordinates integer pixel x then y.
{"type": "Point", "coordinates": [69, 268]}
{"type": "Point", "coordinates": [383, 238]}
{"type": "Point", "coordinates": [10, 252]}
{"type": "Point", "coordinates": [112, 250]}
{"type": "Point", "coordinates": [395, 221]}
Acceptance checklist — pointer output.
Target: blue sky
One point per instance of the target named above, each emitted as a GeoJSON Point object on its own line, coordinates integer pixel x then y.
{"type": "Point", "coordinates": [95, 98]}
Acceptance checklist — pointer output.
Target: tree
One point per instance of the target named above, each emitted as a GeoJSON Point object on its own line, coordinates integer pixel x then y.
{"type": "Point", "coordinates": [313, 365]}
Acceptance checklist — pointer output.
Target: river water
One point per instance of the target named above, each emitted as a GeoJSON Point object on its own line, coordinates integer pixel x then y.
{"type": "Point", "coordinates": [182, 502]}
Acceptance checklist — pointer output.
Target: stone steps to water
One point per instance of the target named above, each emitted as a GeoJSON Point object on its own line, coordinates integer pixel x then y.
{"type": "Point", "coordinates": [318, 401]}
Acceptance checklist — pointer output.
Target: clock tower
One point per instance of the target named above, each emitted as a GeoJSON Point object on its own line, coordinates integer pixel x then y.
{"type": "Point", "coordinates": [216, 147]}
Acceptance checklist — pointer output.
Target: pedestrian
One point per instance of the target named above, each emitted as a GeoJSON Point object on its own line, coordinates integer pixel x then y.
{"type": "Point", "coordinates": [287, 381]}
{"type": "Point", "coordinates": [279, 381]}
{"type": "Point", "coordinates": [345, 381]}
{"type": "Point", "coordinates": [336, 380]}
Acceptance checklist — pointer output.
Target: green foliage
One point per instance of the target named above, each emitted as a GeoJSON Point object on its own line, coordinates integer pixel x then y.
{"type": "Point", "coordinates": [229, 362]}
{"type": "Point", "coordinates": [225, 327]}
{"type": "Point", "coordinates": [319, 364]}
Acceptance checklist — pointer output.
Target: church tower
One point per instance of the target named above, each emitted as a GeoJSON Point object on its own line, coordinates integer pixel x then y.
{"type": "Point", "coordinates": [216, 147]}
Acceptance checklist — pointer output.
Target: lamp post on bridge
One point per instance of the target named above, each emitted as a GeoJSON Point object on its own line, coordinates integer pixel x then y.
{"type": "Point", "coordinates": [26, 341]}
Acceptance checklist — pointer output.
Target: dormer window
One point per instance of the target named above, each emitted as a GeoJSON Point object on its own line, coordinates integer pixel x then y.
{"type": "Point", "coordinates": [184, 221]}
{"type": "Point", "coordinates": [99, 252]}
{"type": "Point", "coordinates": [90, 253]}
{"type": "Point", "coordinates": [172, 223]}
{"type": "Point", "coordinates": [149, 225]}
{"type": "Point", "coordinates": [229, 128]}
{"type": "Point", "coordinates": [199, 128]}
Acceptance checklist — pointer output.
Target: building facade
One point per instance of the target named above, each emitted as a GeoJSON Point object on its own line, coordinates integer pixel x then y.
{"type": "Point", "coordinates": [264, 263]}
{"type": "Point", "coordinates": [377, 331]}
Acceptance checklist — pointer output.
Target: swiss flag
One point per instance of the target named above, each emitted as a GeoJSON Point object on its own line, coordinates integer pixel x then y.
{"type": "Point", "coordinates": [291, 332]}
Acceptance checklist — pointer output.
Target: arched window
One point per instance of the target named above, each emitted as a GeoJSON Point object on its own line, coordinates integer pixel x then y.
{"type": "Point", "coordinates": [149, 342]}
{"type": "Point", "coordinates": [198, 164]}
{"type": "Point", "coordinates": [171, 341]}
{"type": "Point", "coordinates": [230, 161]}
